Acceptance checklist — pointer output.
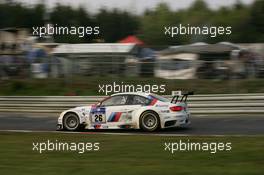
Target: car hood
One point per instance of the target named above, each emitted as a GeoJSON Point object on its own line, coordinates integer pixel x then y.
{"type": "Point", "coordinates": [81, 109]}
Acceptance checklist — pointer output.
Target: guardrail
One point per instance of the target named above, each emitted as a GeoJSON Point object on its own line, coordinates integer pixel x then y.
{"type": "Point", "coordinates": [199, 104]}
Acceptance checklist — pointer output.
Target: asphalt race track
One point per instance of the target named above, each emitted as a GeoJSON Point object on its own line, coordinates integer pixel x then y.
{"type": "Point", "coordinates": [201, 125]}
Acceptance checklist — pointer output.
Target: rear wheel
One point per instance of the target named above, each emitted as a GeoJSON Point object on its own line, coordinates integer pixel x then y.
{"type": "Point", "coordinates": [149, 121]}
{"type": "Point", "coordinates": [71, 122]}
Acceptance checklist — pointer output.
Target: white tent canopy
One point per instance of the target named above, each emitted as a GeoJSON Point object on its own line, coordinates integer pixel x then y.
{"type": "Point", "coordinates": [94, 48]}
{"type": "Point", "coordinates": [202, 48]}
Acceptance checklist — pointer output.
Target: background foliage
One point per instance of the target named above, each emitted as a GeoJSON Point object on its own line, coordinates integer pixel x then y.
{"type": "Point", "coordinates": [246, 21]}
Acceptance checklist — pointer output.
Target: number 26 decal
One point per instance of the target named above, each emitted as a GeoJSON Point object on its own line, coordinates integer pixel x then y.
{"type": "Point", "coordinates": [98, 118]}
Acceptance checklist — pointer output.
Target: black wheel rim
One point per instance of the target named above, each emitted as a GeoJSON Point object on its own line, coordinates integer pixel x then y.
{"type": "Point", "coordinates": [71, 122]}
{"type": "Point", "coordinates": [149, 121]}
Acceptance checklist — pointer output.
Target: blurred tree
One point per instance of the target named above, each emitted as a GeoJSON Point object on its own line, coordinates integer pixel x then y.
{"type": "Point", "coordinates": [198, 14]}
{"type": "Point", "coordinates": [246, 21]}
{"type": "Point", "coordinates": [115, 24]}
{"type": "Point", "coordinates": [36, 15]}
{"type": "Point", "coordinates": [236, 17]}
{"type": "Point", "coordinates": [66, 16]}
{"type": "Point", "coordinates": [153, 23]}
{"type": "Point", "coordinates": [257, 20]}
{"type": "Point", "coordinates": [16, 15]}
{"type": "Point", "coordinates": [199, 5]}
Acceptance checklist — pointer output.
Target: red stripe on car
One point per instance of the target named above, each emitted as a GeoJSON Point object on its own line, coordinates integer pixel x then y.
{"type": "Point", "coordinates": [117, 116]}
{"type": "Point", "coordinates": [153, 102]}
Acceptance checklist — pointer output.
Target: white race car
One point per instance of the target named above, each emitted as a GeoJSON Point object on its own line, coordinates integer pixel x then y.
{"type": "Point", "coordinates": [145, 111]}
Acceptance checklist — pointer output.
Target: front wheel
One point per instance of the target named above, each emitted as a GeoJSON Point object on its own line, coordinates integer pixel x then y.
{"type": "Point", "coordinates": [149, 121]}
{"type": "Point", "coordinates": [71, 122]}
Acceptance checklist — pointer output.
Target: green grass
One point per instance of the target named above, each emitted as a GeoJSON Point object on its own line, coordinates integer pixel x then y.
{"type": "Point", "coordinates": [128, 155]}
{"type": "Point", "coordinates": [89, 85]}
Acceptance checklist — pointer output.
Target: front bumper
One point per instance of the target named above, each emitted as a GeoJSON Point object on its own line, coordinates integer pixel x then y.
{"type": "Point", "coordinates": [59, 127]}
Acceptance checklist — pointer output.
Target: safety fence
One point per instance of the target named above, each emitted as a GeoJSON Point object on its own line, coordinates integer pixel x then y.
{"type": "Point", "coordinates": [166, 69]}
{"type": "Point", "coordinates": [199, 104]}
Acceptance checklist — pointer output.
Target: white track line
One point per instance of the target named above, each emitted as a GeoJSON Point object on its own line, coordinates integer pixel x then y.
{"type": "Point", "coordinates": [131, 134]}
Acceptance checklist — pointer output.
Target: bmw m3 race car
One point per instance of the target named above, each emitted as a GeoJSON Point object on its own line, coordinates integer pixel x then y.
{"type": "Point", "coordinates": [144, 111]}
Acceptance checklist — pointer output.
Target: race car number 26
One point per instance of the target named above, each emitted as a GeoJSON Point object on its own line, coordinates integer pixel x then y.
{"type": "Point", "coordinates": [98, 118]}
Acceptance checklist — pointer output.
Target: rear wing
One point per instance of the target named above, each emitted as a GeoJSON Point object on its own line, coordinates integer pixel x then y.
{"type": "Point", "coordinates": [179, 96]}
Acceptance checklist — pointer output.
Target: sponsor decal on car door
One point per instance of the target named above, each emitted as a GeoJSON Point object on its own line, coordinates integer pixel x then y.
{"type": "Point", "coordinates": [114, 113]}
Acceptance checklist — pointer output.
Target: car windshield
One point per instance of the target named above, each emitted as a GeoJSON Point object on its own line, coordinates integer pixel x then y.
{"type": "Point", "coordinates": [114, 100]}
{"type": "Point", "coordinates": [160, 98]}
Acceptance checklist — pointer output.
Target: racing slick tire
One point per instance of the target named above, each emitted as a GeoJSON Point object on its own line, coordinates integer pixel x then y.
{"type": "Point", "coordinates": [71, 122]}
{"type": "Point", "coordinates": [149, 121]}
